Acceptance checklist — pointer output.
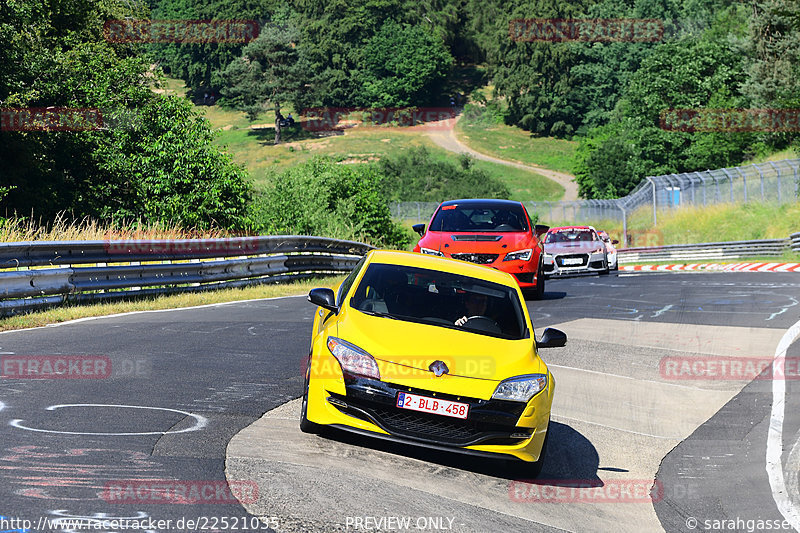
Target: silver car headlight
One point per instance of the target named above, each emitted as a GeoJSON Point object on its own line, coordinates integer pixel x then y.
{"type": "Point", "coordinates": [353, 359]}
{"type": "Point", "coordinates": [519, 255]}
{"type": "Point", "coordinates": [429, 251]}
{"type": "Point", "coordinates": [520, 388]}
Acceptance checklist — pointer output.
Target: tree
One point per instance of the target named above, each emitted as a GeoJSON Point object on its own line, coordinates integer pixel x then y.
{"type": "Point", "coordinates": [402, 65]}
{"type": "Point", "coordinates": [321, 197]}
{"type": "Point", "coordinates": [197, 63]}
{"type": "Point", "coordinates": [271, 72]}
{"type": "Point", "coordinates": [152, 158]}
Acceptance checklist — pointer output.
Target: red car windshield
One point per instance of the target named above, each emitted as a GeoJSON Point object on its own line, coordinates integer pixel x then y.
{"type": "Point", "coordinates": [476, 217]}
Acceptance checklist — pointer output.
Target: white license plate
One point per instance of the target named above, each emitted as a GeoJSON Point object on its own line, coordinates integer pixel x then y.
{"type": "Point", "coordinates": [573, 261]}
{"type": "Point", "coordinates": [432, 405]}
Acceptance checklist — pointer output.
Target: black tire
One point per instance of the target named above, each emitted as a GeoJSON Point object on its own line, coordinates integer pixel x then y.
{"type": "Point", "coordinates": [607, 269]}
{"type": "Point", "coordinates": [537, 293]}
{"type": "Point", "coordinates": [306, 425]}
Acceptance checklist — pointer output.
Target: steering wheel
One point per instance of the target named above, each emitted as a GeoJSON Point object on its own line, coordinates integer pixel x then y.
{"type": "Point", "coordinates": [483, 323]}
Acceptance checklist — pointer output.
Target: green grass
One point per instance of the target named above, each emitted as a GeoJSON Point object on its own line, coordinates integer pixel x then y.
{"type": "Point", "coordinates": [523, 185]}
{"type": "Point", "coordinates": [717, 223]}
{"type": "Point", "coordinates": [788, 153]}
{"type": "Point", "coordinates": [515, 144]}
{"type": "Point", "coordinates": [252, 146]}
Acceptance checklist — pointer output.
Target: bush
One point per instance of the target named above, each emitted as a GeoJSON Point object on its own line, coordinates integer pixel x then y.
{"type": "Point", "coordinates": [321, 197]}
{"type": "Point", "coordinates": [418, 176]}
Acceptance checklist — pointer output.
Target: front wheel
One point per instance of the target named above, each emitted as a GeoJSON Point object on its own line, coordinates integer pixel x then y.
{"type": "Point", "coordinates": [306, 425]}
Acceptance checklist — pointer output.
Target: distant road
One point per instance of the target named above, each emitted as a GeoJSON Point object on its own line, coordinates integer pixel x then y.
{"type": "Point", "coordinates": [446, 138]}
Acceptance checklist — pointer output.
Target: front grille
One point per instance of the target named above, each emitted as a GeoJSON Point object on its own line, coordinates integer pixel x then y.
{"type": "Point", "coordinates": [481, 259]}
{"type": "Point", "coordinates": [423, 426]}
{"type": "Point", "coordinates": [584, 258]}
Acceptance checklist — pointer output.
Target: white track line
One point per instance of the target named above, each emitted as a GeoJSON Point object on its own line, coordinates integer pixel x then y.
{"type": "Point", "coordinates": [775, 435]}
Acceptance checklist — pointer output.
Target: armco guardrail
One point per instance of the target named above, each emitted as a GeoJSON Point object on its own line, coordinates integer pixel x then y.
{"type": "Point", "coordinates": [709, 250]}
{"type": "Point", "coordinates": [795, 237]}
{"type": "Point", "coordinates": [42, 274]}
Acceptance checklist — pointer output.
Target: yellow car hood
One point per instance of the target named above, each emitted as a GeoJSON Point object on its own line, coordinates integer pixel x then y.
{"type": "Point", "coordinates": [414, 347]}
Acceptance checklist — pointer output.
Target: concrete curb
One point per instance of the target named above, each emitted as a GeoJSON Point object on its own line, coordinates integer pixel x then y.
{"type": "Point", "coordinates": [730, 267]}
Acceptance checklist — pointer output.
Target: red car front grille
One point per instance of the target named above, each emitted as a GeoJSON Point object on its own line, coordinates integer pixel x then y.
{"type": "Point", "coordinates": [480, 259]}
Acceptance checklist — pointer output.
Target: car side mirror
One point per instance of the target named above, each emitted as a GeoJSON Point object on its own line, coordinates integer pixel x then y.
{"type": "Point", "coordinates": [552, 338]}
{"type": "Point", "coordinates": [419, 228]}
{"type": "Point", "coordinates": [324, 298]}
{"type": "Point", "coordinates": [540, 229]}
{"type": "Point", "coordinates": [615, 241]}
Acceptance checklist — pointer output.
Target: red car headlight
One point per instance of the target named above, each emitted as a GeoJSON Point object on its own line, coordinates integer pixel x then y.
{"type": "Point", "coordinates": [519, 255]}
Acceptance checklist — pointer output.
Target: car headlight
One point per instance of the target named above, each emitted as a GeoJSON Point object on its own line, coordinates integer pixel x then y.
{"type": "Point", "coordinates": [521, 255]}
{"type": "Point", "coordinates": [520, 388]}
{"type": "Point", "coordinates": [428, 251]}
{"type": "Point", "coordinates": [353, 359]}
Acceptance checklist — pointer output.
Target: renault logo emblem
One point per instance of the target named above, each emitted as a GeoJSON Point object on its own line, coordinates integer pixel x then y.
{"type": "Point", "coordinates": [439, 368]}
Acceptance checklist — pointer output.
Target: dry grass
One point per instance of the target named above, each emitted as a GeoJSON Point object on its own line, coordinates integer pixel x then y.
{"type": "Point", "coordinates": [18, 229]}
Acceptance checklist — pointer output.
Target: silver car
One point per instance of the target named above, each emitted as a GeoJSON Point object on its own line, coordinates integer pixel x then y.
{"type": "Point", "coordinates": [574, 250]}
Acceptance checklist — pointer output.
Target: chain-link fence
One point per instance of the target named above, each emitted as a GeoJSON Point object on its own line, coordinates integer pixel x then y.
{"type": "Point", "coordinates": [771, 182]}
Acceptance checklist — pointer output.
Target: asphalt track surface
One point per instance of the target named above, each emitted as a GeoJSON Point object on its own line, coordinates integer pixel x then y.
{"type": "Point", "coordinates": [187, 390]}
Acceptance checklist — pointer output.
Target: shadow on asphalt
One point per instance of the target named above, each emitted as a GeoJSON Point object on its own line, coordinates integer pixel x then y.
{"type": "Point", "coordinates": [571, 457]}
{"type": "Point", "coordinates": [552, 295]}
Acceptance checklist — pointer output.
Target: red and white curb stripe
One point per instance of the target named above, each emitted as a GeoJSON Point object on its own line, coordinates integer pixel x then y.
{"type": "Point", "coordinates": [730, 267]}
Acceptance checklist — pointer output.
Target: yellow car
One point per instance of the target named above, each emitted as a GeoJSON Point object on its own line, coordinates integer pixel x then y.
{"type": "Point", "coordinates": [431, 352]}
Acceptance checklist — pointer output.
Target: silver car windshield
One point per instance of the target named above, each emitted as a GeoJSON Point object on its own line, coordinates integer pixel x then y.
{"type": "Point", "coordinates": [576, 235]}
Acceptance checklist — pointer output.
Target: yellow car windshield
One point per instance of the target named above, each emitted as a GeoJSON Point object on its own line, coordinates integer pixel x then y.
{"type": "Point", "coordinates": [441, 299]}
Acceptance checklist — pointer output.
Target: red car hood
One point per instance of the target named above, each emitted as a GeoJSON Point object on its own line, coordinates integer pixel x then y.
{"type": "Point", "coordinates": [479, 242]}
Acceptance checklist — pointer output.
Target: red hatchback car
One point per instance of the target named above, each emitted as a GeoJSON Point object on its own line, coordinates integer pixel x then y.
{"type": "Point", "coordinates": [495, 233]}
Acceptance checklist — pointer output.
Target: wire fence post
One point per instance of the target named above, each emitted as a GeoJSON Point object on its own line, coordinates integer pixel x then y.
{"type": "Point", "coordinates": [655, 201]}
{"type": "Point", "coordinates": [778, 173]}
{"type": "Point", "coordinates": [761, 176]}
{"type": "Point", "coordinates": [730, 179]}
